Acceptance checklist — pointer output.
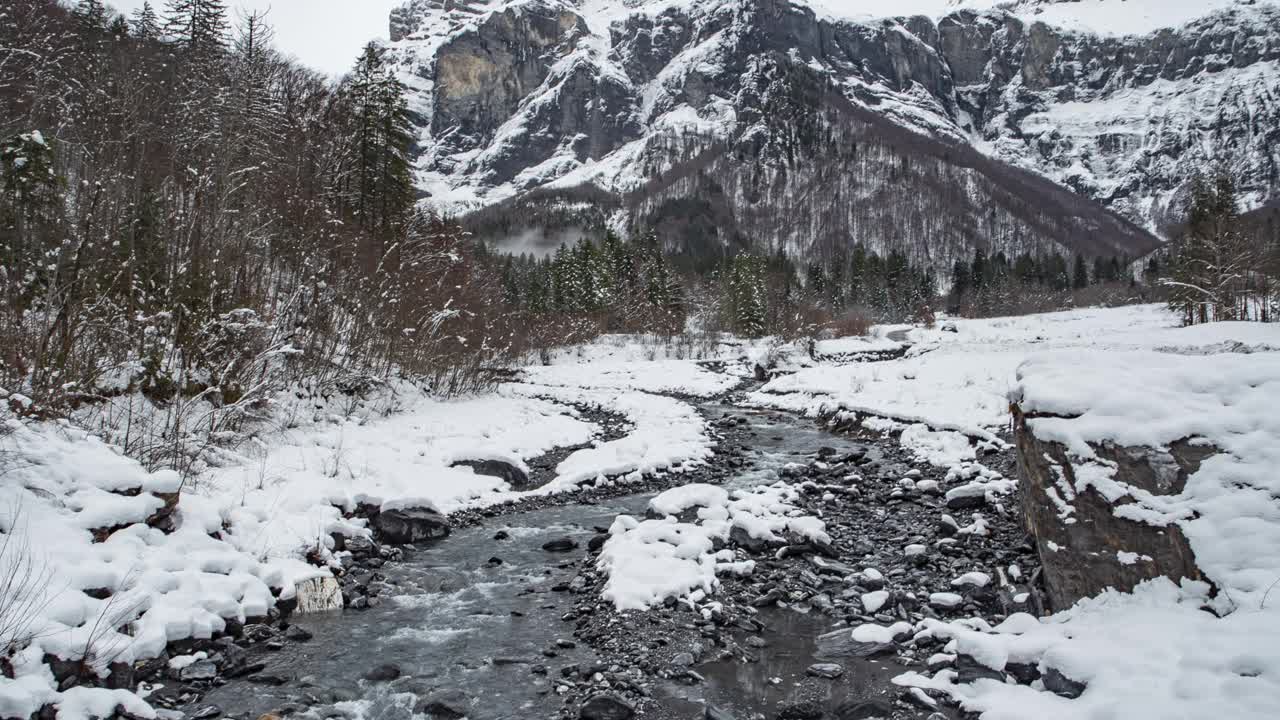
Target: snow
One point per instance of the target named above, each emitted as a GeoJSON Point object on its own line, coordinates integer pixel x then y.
{"type": "Point", "coordinates": [666, 433]}
{"type": "Point", "coordinates": [243, 528]}
{"type": "Point", "coordinates": [945, 600]}
{"type": "Point", "coordinates": [961, 381]}
{"type": "Point", "coordinates": [648, 561]}
{"type": "Point", "coordinates": [61, 485]}
{"type": "Point", "coordinates": [657, 376]}
{"type": "Point", "coordinates": [974, 578]}
{"type": "Point", "coordinates": [1153, 653]}
{"type": "Point", "coordinates": [1104, 17]}
{"type": "Point", "coordinates": [873, 601]}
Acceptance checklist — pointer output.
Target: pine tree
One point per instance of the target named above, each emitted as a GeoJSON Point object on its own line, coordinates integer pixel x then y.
{"type": "Point", "coordinates": [1213, 260]}
{"type": "Point", "coordinates": [145, 24]}
{"type": "Point", "coordinates": [384, 184]}
{"type": "Point", "coordinates": [1080, 278]}
{"type": "Point", "coordinates": [746, 295]}
{"type": "Point", "coordinates": [91, 16]}
{"type": "Point", "coordinates": [198, 26]}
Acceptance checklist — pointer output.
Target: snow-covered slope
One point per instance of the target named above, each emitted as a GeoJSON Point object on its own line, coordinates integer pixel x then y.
{"type": "Point", "coordinates": [1118, 100]}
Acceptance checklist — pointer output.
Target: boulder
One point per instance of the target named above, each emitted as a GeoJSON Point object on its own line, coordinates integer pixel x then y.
{"type": "Point", "coordinates": [318, 594]}
{"type": "Point", "coordinates": [560, 545]}
{"type": "Point", "coordinates": [383, 673]}
{"type": "Point", "coordinates": [449, 704]}
{"type": "Point", "coordinates": [1059, 684]}
{"type": "Point", "coordinates": [830, 671]}
{"type": "Point", "coordinates": [740, 538]}
{"type": "Point", "coordinates": [404, 526]}
{"type": "Point", "coordinates": [1099, 550]}
{"type": "Point", "coordinates": [840, 644]}
{"type": "Point", "coordinates": [606, 706]}
{"type": "Point", "coordinates": [515, 477]}
{"type": "Point", "coordinates": [863, 710]}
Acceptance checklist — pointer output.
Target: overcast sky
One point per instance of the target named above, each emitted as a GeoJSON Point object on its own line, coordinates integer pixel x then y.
{"type": "Point", "coordinates": [325, 34]}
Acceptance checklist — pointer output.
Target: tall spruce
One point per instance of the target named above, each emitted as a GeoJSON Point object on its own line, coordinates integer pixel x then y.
{"type": "Point", "coordinates": [383, 180]}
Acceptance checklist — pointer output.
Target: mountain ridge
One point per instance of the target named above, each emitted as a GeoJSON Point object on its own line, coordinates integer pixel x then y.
{"type": "Point", "coordinates": [513, 96]}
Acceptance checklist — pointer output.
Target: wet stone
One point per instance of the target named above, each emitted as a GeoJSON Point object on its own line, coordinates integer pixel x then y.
{"type": "Point", "coordinates": [560, 545]}
{"type": "Point", "coordinates": [863, 710]}
{"type": "Point", "coordinates": [606, 706]}
{"type": "Point", "coordinates": [383, 673]}
{"type": "Point", "coordinates": [829, 671]}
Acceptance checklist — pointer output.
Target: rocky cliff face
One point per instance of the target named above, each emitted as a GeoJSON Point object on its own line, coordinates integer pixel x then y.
{"type": "Point", "coordinates": [760, 111]}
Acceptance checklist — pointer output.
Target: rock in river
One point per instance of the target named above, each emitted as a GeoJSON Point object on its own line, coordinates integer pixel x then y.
{"type": "Point", "coordinates": [606, 706]}
{"type": "Point", "coordinates": [410, 525]}
{"type": "Point", "coordinates": [560, 545]}
{"type": "Point", "coordinates": [830, 671]}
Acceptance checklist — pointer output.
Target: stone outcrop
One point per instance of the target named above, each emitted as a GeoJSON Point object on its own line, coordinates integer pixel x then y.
{"type": "Point", "coordinates": [1089, 549]}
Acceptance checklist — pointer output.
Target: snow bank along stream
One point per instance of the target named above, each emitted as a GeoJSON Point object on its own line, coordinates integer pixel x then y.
{"type": "Point", "coordinates": [469, 619]}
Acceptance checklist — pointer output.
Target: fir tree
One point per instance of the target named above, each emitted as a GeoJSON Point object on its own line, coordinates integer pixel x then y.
{"type": "Point", "coordinates": [145, 24]}
{"type": "Point", "coordinates": [91, 16]}
{"type": "Point", "coordinates": [198, 26]}
{"type": "Point", "coordinates": [384, 185]}
{"type": "Point", "coordinates": [1080, 278]}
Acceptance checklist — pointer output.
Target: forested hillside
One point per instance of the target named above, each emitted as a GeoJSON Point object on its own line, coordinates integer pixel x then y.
{"type": "Point", "coordinates": [185, 211]}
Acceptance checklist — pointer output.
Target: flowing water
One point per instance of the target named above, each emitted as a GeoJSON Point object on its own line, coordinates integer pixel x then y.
{"type": "Point", "coordinates": [454, 620]}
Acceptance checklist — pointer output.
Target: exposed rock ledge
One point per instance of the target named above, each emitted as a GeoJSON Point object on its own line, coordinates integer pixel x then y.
{"type": "Point", "coordinates": [1084, 547]}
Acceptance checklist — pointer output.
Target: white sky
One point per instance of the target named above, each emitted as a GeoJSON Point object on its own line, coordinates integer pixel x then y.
{"type": "Point", "coordinates": [325, 34]}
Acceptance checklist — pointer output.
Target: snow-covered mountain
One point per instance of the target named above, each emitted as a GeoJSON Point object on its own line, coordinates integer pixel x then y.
{"type": "Point", "coordinates": [814, 124]}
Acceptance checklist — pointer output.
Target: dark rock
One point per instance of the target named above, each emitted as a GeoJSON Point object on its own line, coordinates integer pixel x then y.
{"type": "Point", "coordinates": [606, 706]}
{"type": "Point", "coordinates": [968, 670]}
{"type": "Point", "coordinates": [248, 668]}
{"type": "Point", "coordinates": [800, 710]}
{"type": "Point", "coordinates": [449, 704]}
{"type": "Point", "coordinates": [410, 525]}
{"type": "Point", "coordinates": [863, 710]}
{"type": "Point", "coordinates": [1085, 562]}
{"type": "Point", "coordinates": [742, 539]}
{"type": "Point", "coordinates": [515, 477]}
{"type": "Point", "coordinates": [1023, 673]}
{"type": "Point", "coordinates": [596, 542]}
{"type": "Point", "coordinates": [198, 670]}
{"type": "Point", "coordinates": [501, 535]}
{"type": "Point", "coordinates": [298, 634]}
{"type": "Point", "coordinates": [711, 712]}
{"type": "Point", "coordinates": [829, 671]}
{"type": "Point", "coordinates": [258, 632]}
{"type": "Point", "coordinates": [966, 502]}
{"type": "Point", "coordinates": [361, 547]}
{"type": "Point", "coordinates": [1059, 684]}
{"type": "Point", "coordinates": [840, 644]}
{"type": "Point", "coordinates": [383, 673]}
{"type": "Point", "coordinates": [560, 545]}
